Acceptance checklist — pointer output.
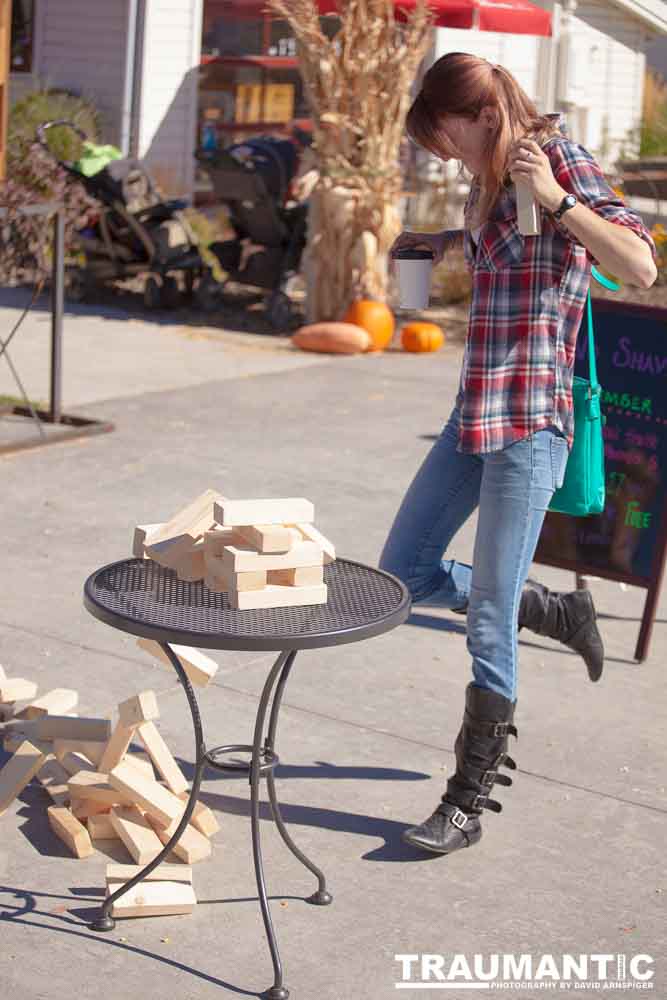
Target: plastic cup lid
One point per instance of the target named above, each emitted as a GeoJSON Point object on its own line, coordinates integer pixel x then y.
{"type": "Point", "coordinates": [411, 253]}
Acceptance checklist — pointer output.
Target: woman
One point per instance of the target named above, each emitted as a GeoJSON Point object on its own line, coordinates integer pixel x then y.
{"type": "Point", "coordinates": [506, 443]}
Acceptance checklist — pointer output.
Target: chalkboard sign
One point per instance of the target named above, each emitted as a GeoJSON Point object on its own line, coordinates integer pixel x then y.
{"type": "Point", "coordinates": [627, 541]}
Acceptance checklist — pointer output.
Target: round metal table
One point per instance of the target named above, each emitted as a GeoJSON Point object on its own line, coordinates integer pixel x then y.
{"type": "Point", "coordinates": [140, 597]}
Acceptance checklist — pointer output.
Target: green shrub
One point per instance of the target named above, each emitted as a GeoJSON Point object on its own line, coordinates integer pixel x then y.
{"type": "Point", "coordinates": [49, 104]}
{"type": "Point", "coordinates": [33, 175]}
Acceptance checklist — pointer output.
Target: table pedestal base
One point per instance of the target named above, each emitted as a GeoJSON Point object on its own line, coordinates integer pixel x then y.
{"type": "Point", "coordinates": [264, 760]}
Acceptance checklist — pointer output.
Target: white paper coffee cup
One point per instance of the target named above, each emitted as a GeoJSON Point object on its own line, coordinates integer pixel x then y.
{"type": "Point", "coordinates": [414, 277]}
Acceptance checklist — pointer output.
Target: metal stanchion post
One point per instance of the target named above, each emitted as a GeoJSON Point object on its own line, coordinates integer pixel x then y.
{"type": "Point", "coordinates": [57, 305]}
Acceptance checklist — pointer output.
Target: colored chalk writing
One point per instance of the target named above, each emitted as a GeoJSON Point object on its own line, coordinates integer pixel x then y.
{"type": "Point", "coordinates": [631, 358]}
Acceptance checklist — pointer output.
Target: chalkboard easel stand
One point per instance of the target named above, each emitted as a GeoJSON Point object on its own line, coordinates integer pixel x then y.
{"type": "Point", "coordinates": [651, 584]}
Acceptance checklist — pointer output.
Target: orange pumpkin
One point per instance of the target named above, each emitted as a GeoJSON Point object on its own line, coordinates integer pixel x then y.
{"type": "Point", "coordinates": [375, 317]}
{"type": "Point", "coordinates": [421, 336]}
{"type": "Point", "coordinates": [332, 338]}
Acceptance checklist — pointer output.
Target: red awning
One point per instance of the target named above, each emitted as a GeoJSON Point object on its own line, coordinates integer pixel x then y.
{"type": "Point", "coordinates": [517, 17]}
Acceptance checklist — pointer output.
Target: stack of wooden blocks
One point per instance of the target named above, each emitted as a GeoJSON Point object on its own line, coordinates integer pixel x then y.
{"type": "Point", "coordinates": [263, 553]}
{"type": "Point", "coordinates": [99, 789]}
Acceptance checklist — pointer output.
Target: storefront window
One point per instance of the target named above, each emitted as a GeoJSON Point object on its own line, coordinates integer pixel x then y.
{"type": "Point", "coordinates": [23, 24]}
{"type": "Point", "coordinates": [225, 34]}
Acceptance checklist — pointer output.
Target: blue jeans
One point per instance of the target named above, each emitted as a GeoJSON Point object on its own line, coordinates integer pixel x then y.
{"type": "Point", "coordinates": [513, 489]}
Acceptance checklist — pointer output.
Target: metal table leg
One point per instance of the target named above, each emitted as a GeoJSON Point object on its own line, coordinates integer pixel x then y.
{"type": "Point", "coordinates": [321, 897]}
{"type": "Point", "coordinates": [105, 922]}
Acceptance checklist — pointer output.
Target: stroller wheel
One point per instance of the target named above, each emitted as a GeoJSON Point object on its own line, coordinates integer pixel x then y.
{"type": "Point", "coordinates": [189, 282]}
{"type": "Point", "coordinates": [152, 293]}
{"type": "Point", "coordinates": [279, 310]}
{"type": "Point", "coordinates": [207, 293]}
{"type": "Point", "coordinates": [171, 295]}
{"type": "Point", "coordinates": [78, 285]}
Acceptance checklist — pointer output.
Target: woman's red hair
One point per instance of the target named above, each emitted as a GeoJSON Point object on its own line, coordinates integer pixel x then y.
{"type": "Point", "coordinates": [462, 84]}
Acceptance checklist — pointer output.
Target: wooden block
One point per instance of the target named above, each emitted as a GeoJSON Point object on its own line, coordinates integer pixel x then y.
{"type": "Point", "coordinates": [301, 576]}
{"type": "Point", "coordinates": [268, 537]}
{"type": "Point", "coordinates": [97, 786]}
{"type": "Point", "coordinates": [18, 771]}
{"type": "Point", "coordinates": [74, 762]}
{"type": "Point", "coordinates": [202, 818]}
{"type": "Point", "coordinates": [91, 749]}
{"type": "Point", "coordinates": [190, 522]}
{"type": "Point", "coordinates": [117, 746]}
{"type": "Point", "coordinates": [233, 513]}
{"type": "Point", "coordinates": [162, 758]}
{"type": "Point", "coordinates": [199, 668]}
{"type": "Point", "coordinates": [310, 533]}
{"type": "Point", "coordinates": [136, 833]}
{"type": "Point", "coordinates": [140, 708]}
{"type": "Point", "coordinates": [216, 584]}
{"type": "Point", "coordinates": [13, 741]}
{"type": "Point", "coordinates": [59, 701]}
{"type": "Point", "coordinates": [143, 762]}
{"type": "Point", "coordinates": [6, 710]}
{"type": "Point", "coordinates": [152, 797]}
{"type": "Point", "coordinates": [216, 539]}
{"type": "Point", "coordinates": [528, 210]}
{"type": "Point", "coordinates": [51, 727]}
{"type": "Point", "coordinates": [84, 809]}
{"type": "Point", "coordinates": [141, 533]}
{"type": "Point", "coordinates": [71, 831]}
{"type": "Point", "coordinates": [163, 872]}
{"type": "Point", "coordinates": [100, 827]}
{"type": "Point", "coordinates": [241, 560]}
{"type": "Point", "coordinates": [17, 688]}
{"type": "Point", "coordinates": [219, 570]}
{"type": "Point", "coordinates": [192, 566]}
{"type": "Point", "coordinates": [152, 899]}
{"type": "Point", "coordinates": [274, 596]}
{"type": "Point", "coordinates": [53, 777]}
{"type": "Point", "coordinates": [191, 846]}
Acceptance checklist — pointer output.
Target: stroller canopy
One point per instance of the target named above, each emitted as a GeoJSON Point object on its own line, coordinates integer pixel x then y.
{"type": "Point", "coordinates": [276, 160]}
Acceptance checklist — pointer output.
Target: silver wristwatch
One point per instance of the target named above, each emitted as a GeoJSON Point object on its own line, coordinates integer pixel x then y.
{"type": "Point", "coordinates": [569, 201]}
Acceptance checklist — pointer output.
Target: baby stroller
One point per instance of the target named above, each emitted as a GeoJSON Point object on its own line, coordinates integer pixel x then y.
{"type": "Point", "coordinates": [136, 231]}
{"type": "Point", "coordinates": [252, 179]}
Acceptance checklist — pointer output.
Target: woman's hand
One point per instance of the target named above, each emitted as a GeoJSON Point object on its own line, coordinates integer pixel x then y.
{"type": "Point", "coordinates": [528, 163]}
{"type": "Point", "coordinates": [435, 242]}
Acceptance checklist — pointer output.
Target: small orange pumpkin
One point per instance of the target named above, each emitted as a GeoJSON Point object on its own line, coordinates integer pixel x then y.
{"type": "Point", "coordinates": [420, 336]}
{"type": "Point", "coordinates": [375, 317]}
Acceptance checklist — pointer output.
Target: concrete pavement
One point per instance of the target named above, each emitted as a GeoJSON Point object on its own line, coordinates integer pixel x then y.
{"type": "Point", "coordinates": [575, 862]}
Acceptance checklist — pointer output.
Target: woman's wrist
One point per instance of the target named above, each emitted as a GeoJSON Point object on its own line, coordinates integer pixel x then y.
{"type": "Point", "coordinates": [452, 238]}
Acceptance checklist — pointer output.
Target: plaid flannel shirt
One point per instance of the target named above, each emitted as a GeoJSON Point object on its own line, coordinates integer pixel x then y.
{"type": "Point", "coordinates": [528, 299]}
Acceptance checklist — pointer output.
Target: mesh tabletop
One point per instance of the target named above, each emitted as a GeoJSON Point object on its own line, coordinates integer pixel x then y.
{"type": "Point", "coordinates": [143, 598]}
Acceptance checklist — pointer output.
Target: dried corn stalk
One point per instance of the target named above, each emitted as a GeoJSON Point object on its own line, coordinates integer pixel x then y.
{"type": "Point", "coordinates": [358, 88]}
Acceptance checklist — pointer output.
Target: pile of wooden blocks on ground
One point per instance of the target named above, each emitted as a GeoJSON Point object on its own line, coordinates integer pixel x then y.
{"type": "Point", "coordinates": [263, 553]}
{"type": "Point", "coordinates": [100, 789]}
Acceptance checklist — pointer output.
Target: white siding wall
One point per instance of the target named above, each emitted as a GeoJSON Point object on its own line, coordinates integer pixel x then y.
{"type": "Point", "coordinates": [80, 45]}
{"type": "Point", "coordinates": [168, 101]}
{"type": "Point", "coordinates": [609, 76]}
{"type": "Point", "coordinates": [516, 52]}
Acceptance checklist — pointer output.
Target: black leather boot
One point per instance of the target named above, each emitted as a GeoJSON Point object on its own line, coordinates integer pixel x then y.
{"type": "Point", "coordinates": [481, 748]}
{"type": "Point", "coordinates": [570, 618]}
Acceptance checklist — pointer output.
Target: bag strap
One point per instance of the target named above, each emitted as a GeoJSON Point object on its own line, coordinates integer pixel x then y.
{"type": "Point", "coordinates": [612, 286]}
{"type": "Point", "coordinates": [591, 345]}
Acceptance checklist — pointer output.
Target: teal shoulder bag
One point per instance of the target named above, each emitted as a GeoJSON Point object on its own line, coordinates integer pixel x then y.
{"type": "Point", "coordinates": [583, 489]}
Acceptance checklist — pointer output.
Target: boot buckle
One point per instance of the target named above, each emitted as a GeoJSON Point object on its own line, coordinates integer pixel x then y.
{"type": "Point", "coordinates": [488, 777]}
{"type": "Point", "coordinates": [459, 819]}
{"type": "Point", "coordinates": [479, 802]}
{"type": "Point", "coordinates": [499, 729]}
